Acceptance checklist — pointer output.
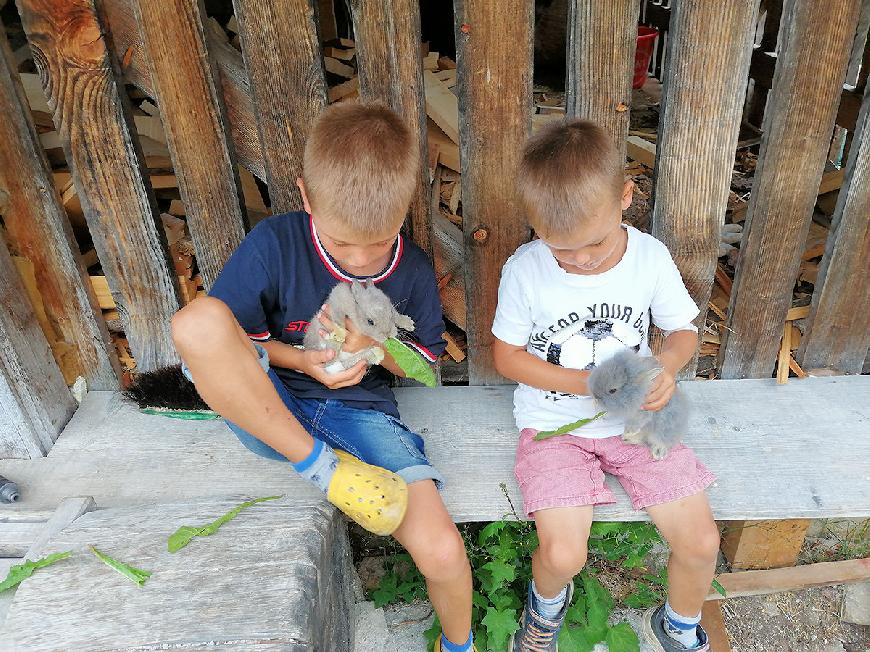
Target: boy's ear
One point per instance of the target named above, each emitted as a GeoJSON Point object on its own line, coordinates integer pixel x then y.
{"type": "Point", "coordinates": [301, 185]}
{"type": "Point", "coordinates": [627, 194]}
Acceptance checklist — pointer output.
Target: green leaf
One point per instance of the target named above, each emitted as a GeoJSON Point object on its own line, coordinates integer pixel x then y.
{"type": "Point", "coordinates": [502, 574]}
{"type": "Point", "coordinates": [500, 624]}
{"type": "Point", "coordinates": [564, 430]}
{"type": "Point", "coordinates": [190, 415]}
{"type": "Point", "coordinates": [621, 638]}
{"type": "Point", "coordinates": [433, 633]}
{"type": "Point", "coordinates": [136, 575]}
{"type": "Point", "coordinates": [411, 362]}
{"type": "Point", "coordinates": [183, 535]}
{"type": "Point", "coordinates": [386, 592]}
{"type": "Point", "coordinates": [20, 572]}
{"type": "Point", "coordinates": [719, 588]}
{"type": "Point", "coordinates": [490, 531]}
{"type": "Point", "coordinates": [576, 613]}
{"type": "Point", "coordinates": [574, 639]}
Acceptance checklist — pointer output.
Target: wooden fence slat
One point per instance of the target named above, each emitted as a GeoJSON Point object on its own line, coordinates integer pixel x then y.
{"type": "Point", "coordinates": [35, 403]}
{"type": "Point", "coordinates": [92, 118]}
{"type": "Point", "coordinates": [601, 44]}
{"type": "Point", "coordinates": [838, 329]}
{"type": "Point", "coordinates": [193, 117]}
{"type": "Point", "coordinates": [702, 100]}
{"type": "Point", "coordinates": [282, 55]}
{"type": "Point", "coordinates": [494, 57]}
{"type": "Point", "coordinates": [38, 228]}
{"type": "Point", "coordinates": [387, 37]}
{"type": "Point", "coordinates": [816, 41]}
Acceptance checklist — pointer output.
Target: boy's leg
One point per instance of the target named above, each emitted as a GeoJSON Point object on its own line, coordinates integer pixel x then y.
{"type": "Point", "coordinates": [430, 536]}
{"type": "Point", "coordinates": [225, 367]}
{"type": "Point", "coordinates": [687, 525]}
{"type": "Point", "coordinates": [563, 533]}
{"type": "Point", "coordinates": [228, 376]}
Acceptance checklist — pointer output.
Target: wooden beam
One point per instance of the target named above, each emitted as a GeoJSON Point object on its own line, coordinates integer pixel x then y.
{"type": "Point", "coordinates": [193, 115]}
{"type": "Point", "coordinates": [763, 544]}
{"type": "Point", "coordinates": [35, 403]}
{"type": "Point", "coordinates": [601, 44]}
{"type": "Point", "coordinates": [390, 70]}
{"type": "Point", "coordinates": [837, 334]}
{"type": "Point", "coordinates": [798, 123]}
{"type": "Point", "coordinates": [763, 582]}
{"type": "Point", "coordinates": [39, 230]}
{"type": "Point", "coordinates": [495, 105]}
{"type": "Point", "coordinates": [714, 624]}
{"type": "Point", "coordinates": [709, 46]}
{"type": "Point", "coordinates": [93, 121]}
{"type": "Point", "coordinates": [281, 49]}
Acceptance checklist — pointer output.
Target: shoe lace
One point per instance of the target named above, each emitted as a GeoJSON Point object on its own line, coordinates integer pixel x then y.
{"type": "Point", "coordinates": [536, 639]}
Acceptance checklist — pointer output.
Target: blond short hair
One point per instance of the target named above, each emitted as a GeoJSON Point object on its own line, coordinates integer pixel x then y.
{"type": "Point", "coordinates": [361, 167]}
{"type": "Point", "coordinates": [569, 169]}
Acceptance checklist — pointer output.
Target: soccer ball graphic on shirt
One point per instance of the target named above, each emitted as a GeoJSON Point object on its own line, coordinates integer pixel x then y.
{"type": "Point", "coordinates": [589, 342]}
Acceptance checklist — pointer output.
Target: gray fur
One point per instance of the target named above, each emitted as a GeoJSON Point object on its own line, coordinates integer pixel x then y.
{"type": "Point", "coordinates": [370, 310]}
{"type": "Point", "coordinates": [621, 384]}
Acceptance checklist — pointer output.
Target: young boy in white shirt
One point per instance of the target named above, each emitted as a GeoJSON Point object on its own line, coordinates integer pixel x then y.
{"type": "Point", "coordinates": [571, 299]}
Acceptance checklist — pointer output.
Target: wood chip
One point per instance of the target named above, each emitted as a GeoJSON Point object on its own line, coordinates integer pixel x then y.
{"type": "Point", "coordinates": [784, 356]}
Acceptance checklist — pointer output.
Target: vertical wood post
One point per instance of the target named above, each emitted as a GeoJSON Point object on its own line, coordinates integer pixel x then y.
{"type": "Point", "coordinates": [193, 117]}
{"type": "Point", "coordinates": [601, 41]}
{"type": "Point", "coordinates": [708, 57]}
{"type": "Point", "coordinates": [282, 55]}
{"type": "Point", "coordinates": [39, 229]}
{"type": "Point", "coordinates": [494, 57]}
{"type": "Point", "coordinates": [838, 329]}
{"type": "Point", "coordinates": [816, 40]}
{"type": "Point", "coordinates": [387, 37]}
{"type": "Point", "coordinates": [92, 118]}
{"type": "Point", "coordinates": [35, 403]}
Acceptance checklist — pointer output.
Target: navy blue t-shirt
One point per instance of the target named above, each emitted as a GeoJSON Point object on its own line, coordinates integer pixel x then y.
{"type": "Point", "coordinates": [281, 274]}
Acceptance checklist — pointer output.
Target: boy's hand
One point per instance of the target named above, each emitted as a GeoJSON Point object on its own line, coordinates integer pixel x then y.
{"type": "Point", "coordinates": [663, 387]}
{"type": "Point", "coordinates": [354, 341]}
{"type": "Point", "coordinates": [313, 362]}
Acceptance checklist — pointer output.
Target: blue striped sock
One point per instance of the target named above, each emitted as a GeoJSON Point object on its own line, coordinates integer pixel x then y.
{"type": "Point", "coordinates": [319, 466]}
{"type": "Point", "coordinates": [682, 629]}
{"type": "Point", "coordinates": [447, 646]}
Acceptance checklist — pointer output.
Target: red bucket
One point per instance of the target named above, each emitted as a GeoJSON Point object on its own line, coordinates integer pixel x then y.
{"type": "Point", "coordinates": [646, 40]}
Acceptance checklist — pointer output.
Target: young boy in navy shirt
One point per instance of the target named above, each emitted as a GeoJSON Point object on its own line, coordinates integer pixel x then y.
{"type": "Point", "coordinates": [341, 431]}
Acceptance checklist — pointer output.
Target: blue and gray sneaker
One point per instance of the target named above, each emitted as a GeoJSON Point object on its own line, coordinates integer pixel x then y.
{"type": "Point", "coordinates": [654, 633]}
{"type": "Point", "coordinates": [539, 634]}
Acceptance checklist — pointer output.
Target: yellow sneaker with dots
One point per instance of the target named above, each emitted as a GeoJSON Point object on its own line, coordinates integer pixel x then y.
{"type": "Point", "coordinates": [370, 495]}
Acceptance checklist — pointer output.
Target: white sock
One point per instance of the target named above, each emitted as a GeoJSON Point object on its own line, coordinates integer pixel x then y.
{"type": "Point", "coordinates": [549, 608]}
{"type": "Point", "coordinates": [682, 629]}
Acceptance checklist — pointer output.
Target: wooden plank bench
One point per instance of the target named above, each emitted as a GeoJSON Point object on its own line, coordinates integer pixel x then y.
{"type": "Point", "coordinates": [799, 450]}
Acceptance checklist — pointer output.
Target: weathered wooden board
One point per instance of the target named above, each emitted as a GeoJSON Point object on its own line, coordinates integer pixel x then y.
{"type": "Point", "coordinates": [816, 40]}
{"type": "Point", "coordinates": [762, 582]}
{"type": "Point", "coordinates": [275, 577]}
{"type": "Point", "coordinates": [601, 44]}
{"type": "Point", "coordinates": [282, 55]}
{"type": "Point", "coordinates": [92, 118]}
{"type": "Point", "coordinates": [495, 107]}
{"type": "Point", "coordinates": [761, 439]}
{"type": "Point", "coordinates": [192, 111]}
{"type": "Point", "coordinates": [837, 333]}
{"type": "Point", "coordinates": [709, 46]}
{"type": "Point", "coordinates": [67, 512]}
{"type": "Point", "coordinates": [17, 537]}
{"type": "Point", "coordinates": [38, 229]}
{"type": "Point", "coordinates": [387, 38]}
{"type": "Point", "coordinates": [35, 403]}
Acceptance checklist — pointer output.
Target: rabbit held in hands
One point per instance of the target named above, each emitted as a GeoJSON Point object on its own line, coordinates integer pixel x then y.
{"type": "Point", "coordinates": [371, 312]}
{"type": "Point", "coordinates": [621, 384]}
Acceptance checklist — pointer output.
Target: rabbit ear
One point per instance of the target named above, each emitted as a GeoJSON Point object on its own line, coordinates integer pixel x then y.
{"type": "Point", "coordinates": [356, 289]}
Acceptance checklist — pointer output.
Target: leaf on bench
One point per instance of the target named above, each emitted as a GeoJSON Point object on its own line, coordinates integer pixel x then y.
{"type": "Point", "coordinates": [136, 575]}
{"type": "Point", "coordinates": [183, 535]}
{"type": "Point", "coordinates": [20, 572]}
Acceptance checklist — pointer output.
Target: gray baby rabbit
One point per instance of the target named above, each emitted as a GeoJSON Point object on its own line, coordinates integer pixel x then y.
{"type": "Point", "coordinates": [370, 310]}
{"type": "Point", "coordinates": [621, 384]}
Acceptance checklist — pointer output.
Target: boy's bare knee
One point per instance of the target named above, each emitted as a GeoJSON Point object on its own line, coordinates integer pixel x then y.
{"type": "Point", "coordinates": [563, 558]}
{"type": "Point", "coordinates": [197, 321]}
{"type": "Point", "coordinates": [701, 548]}
{"type": "Point", "coordinates": [443, 557]}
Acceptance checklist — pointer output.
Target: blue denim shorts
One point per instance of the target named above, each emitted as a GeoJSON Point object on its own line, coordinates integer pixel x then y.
{"type": "Point", "coordinates": [372, 436]}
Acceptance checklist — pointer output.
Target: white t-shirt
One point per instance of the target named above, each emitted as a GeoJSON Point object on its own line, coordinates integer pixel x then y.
{"type": "Point", "coordinates": [577, 321]}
